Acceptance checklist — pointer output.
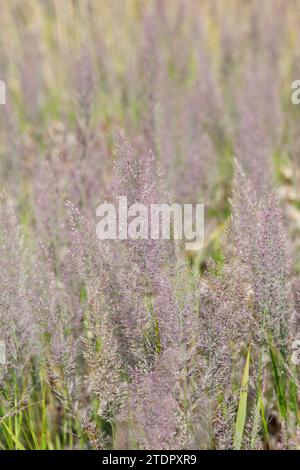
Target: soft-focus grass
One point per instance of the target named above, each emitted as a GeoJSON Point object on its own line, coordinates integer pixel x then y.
{"type": "Point", "coordinates": [31, 415]}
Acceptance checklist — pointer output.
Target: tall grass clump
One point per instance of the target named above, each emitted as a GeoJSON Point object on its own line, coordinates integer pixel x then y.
{"type": "Point", "coordinates": [140, 344]}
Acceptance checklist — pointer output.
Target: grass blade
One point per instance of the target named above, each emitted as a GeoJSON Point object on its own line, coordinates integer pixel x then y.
{"type": "Point", "coordinates": [18, 444]}
{"type": "Point", "coordinates": [242, 409]}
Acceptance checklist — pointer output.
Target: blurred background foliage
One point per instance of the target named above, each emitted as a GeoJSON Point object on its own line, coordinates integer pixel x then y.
{"type": "Point", "coordinates": [200, 83]}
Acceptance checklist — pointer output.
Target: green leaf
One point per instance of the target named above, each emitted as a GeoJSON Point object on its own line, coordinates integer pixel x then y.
{"type": "Point", "coordinates": [19, 446]}
{"type": "Point", "coordinates": [242, 409]}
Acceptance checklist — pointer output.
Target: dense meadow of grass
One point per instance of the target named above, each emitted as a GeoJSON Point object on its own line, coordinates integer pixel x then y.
{"type": "Point", "coordinates": [142, 344]}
